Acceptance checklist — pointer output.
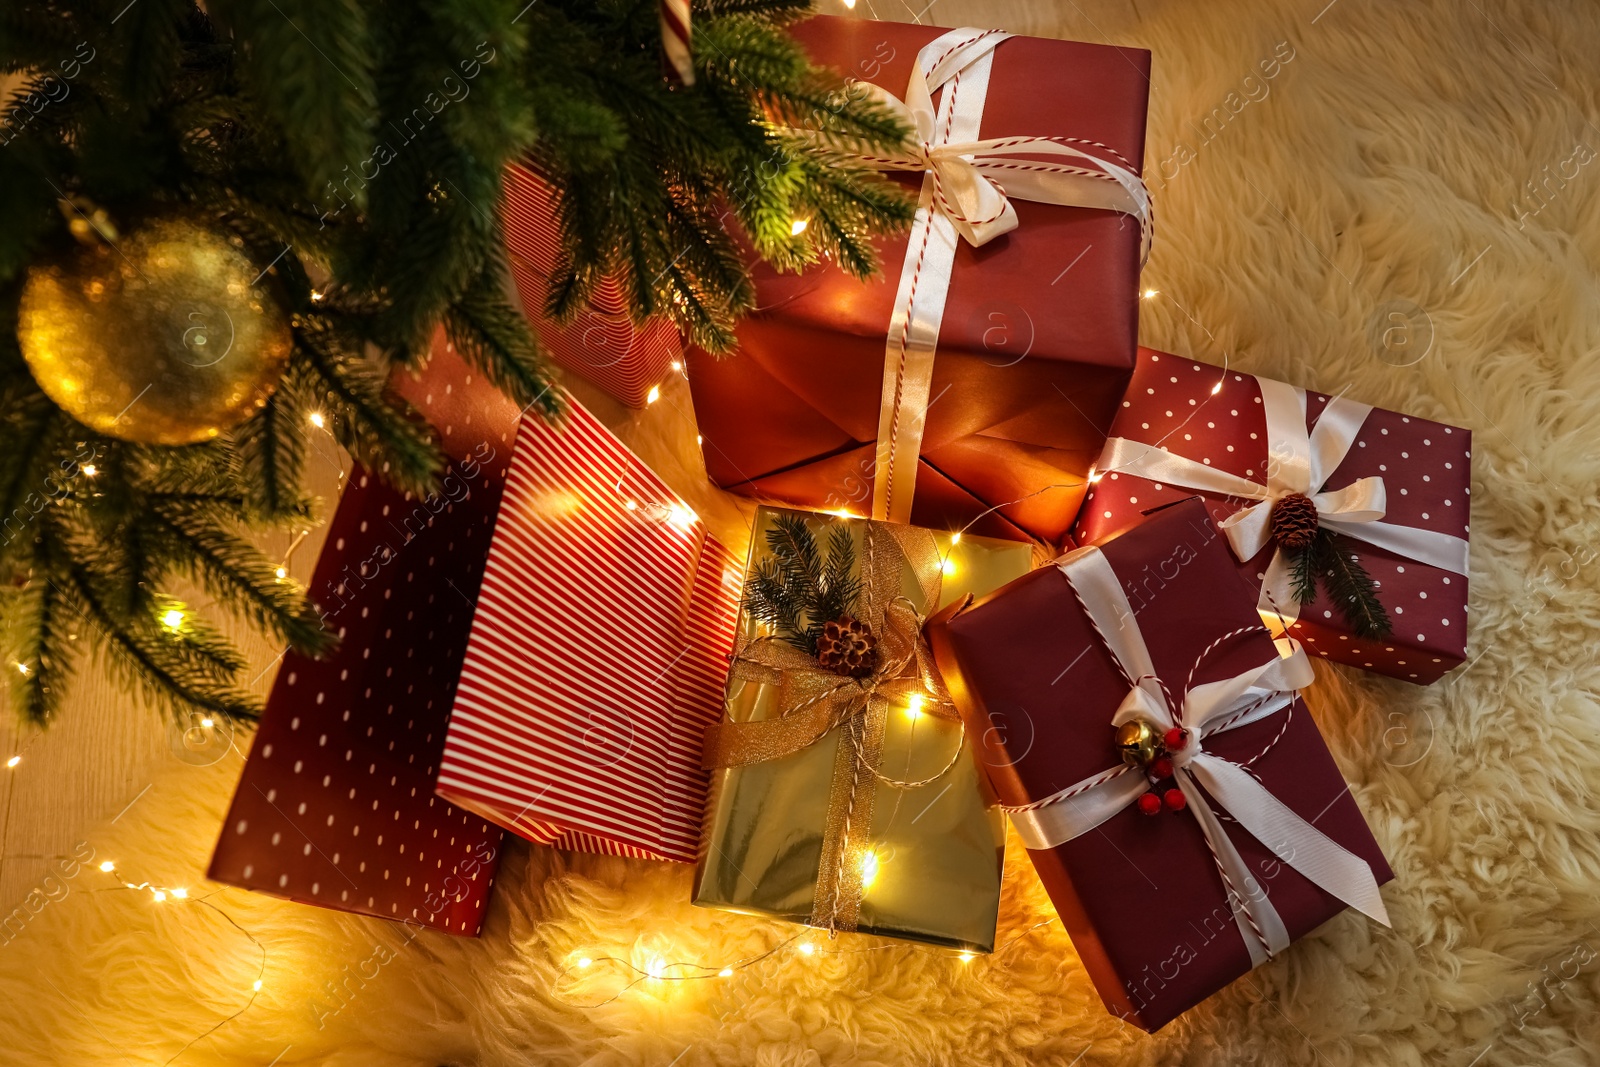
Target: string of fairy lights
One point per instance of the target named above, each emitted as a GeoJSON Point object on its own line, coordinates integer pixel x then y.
{"type": "Point", "coordinates": [649, 971]}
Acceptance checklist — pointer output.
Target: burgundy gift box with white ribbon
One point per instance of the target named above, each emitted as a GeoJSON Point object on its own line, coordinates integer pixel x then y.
{"type": "Point", "coordinates": [597, 656]}
{"type": "Point", "coordinates": [603, 345]}
{"type": "Point", "coordinates": [1145, 735]}
{"type": "Point", "coordinates": [1394, 490]}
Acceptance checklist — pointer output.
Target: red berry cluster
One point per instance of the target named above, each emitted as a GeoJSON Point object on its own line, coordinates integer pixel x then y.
{"type": "Point", "coordinates": [1173, 799]}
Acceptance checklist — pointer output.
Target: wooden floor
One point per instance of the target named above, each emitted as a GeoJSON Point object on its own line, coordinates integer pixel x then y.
{"type": "Point", "coordinates": [106, 747]}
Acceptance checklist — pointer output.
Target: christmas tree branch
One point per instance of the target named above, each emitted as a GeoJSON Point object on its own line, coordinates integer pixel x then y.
{"type": "Point", "coordinates": [272, 450]}
{"type": "Point", "coordinates": [376, 430]}
{"type": "Point", "coordinates": [236, 572]}
{"type": "Point", "coordinates": [163, 672]}
{"type": "Point", "coordinates": [492, 336]}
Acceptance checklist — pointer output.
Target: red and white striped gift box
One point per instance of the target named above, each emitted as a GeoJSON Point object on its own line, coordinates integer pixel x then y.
{"type": "Point", "coordinates": [603, 345]}
{"type": "Point", "coordinates": [597, 654]}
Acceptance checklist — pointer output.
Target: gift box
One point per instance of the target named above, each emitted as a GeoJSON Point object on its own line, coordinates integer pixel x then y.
{"type": "Point", "coordinates": [335, 806]}
{"type": "Point", "coordinates": [845, 796]}
{"type": "Point", "coordinates": [1391, 496]}
{"type": "Point", "coordinates": [597, 656]}
{"type": "Point", "coordinates": [603, 345]}
{"type": "Point", "coordinates": [1143, 733]}
{"type": "Point", "coordinates": [982, 368]}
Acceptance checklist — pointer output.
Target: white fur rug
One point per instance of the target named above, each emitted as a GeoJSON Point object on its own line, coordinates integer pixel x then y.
{"type": "Point", "coordinates": [1411, 183]}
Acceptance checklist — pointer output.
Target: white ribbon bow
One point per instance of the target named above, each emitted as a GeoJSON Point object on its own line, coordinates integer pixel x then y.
{"type": "Point", "coordinates": [1297, 462]}
{"type": "Point", "coordinates": [967, 189]}
{"type": "Point", "coordinates": [1207, 709]}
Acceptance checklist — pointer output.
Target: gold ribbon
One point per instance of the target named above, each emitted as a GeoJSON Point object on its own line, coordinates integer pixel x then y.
{"type": "Point", "coordinates": [813, 700]}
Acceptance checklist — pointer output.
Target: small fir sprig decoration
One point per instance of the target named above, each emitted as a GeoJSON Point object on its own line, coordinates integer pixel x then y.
{"type": "Point", "coordinates": [1319, 555]}
{"type": "Point", "coordinates": [809, 596]}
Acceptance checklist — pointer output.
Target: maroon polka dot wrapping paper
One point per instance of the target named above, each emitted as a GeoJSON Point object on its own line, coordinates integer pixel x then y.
{"type": "Point", "coordinates": [603, 345]}
{"type": "Point", "coordinates": [1426, 471]}
{"type": "Point", "coordinates": [336, 805]}
{"type": "Point", "coordinates": [598, 654]}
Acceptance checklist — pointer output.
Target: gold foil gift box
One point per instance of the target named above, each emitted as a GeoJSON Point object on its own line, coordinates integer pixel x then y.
{"type": "Point", "coordinates": [844, 793]}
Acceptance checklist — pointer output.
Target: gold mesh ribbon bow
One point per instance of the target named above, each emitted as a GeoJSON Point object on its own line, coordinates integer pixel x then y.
{"type": "Point", "coordinates": [814, 700]}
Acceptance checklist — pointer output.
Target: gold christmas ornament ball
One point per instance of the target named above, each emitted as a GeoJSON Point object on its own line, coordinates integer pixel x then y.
{"type": "Point", "coordinates": [1137, 742]}
{"type": "Point", "coordinates": [169, 337]}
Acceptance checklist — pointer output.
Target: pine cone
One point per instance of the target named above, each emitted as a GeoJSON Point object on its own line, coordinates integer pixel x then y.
{"type": "Point", "coordinates": [1294, 521]}
{"type": "Point", "coordinates": [848, 646]}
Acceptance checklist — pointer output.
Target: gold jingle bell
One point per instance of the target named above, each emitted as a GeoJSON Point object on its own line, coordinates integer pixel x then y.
{"type": "Point", "coordinates": [170, 336]}
{"type": "Point", "coordinates": [1137, 742]}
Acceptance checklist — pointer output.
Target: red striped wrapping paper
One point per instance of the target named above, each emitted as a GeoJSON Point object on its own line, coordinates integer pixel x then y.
{"type": "Point", "coordinates": [597, 654]}
{"type": "Point", "coordinates": [603, 345]}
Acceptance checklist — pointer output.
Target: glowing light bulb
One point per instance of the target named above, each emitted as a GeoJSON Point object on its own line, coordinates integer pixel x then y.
{"type": "Point", "coordinates": [699, 440]}
{"type": "Point", "coordinates": [172, 619]}
{"type": "Point", "coordinates": [1151, 294]}
{"type": "Point", "coordinates": [208, 722]}
{"type": "Point", "coordinates": [180, 894]}
{"type": "Point", "coordinates": [90, 470]}
{"type": "Point", "coordinates": [966, 957]}
{"type": "Point", "coordinates": [677, 365]}
{"type": "Point", "coordinates": [914, 706]}
{"type": "Point", "coordinates": [316, 295]}
{"type": "Point", "coordinates": [22, 668]}
{"type": "Point", "coordinates": [656, 967]}
{"type": "Point", "coordinates": [282, 573]}
{"type": "Point", "coordinates": [158, 895]}
{"type": "Point", "coordinates": [13, 761]}
{"type": "Point", "coordinates": [955, 538]}
{"type": "Point", "coordinates": [653, 395]}
{"type": "Point", "coordinates": [726, 972]}
{"type": "Point", "coordinates": [948, 566]}
{"type": "Point", "coordinates": [317, 420]}
{"type": "Point", "coordinates": [798, 227]}
{"type": "Point", "coordinates": [681, 516]}
{"type": "Point", "coordinates": [850, 4]}
{"type": "Point", "coordinates": [631, 505]}
{"type": "Point", "coordinates": [108, 866]}
{"type": "Point", "coordinates": [256, 985]}
{"type": "Point", "coordinates": [584, 961]}
{"type": "Point", "coordinates": [869, 869]}
{"type": "Point", "coordinates": [1095, 476]}
{"type": "Point", "coordinates": [807, 948]}
{"type": "Point", "coordinates": [1215, 389]}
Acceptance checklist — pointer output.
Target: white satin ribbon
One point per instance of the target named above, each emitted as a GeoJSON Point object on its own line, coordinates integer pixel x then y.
{"type": "Point", "coordinates": [1208, 709]}
{"type": "Point", "coordinates": [1297, 462]}
{"type": "Point", "coordinates": [966, 193]}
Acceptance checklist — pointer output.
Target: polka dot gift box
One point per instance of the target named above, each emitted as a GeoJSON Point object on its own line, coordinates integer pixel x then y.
{"type": "Point", "coordinates": [1352, 521]}
{"type": "Point", "coordinates": [336, 804]}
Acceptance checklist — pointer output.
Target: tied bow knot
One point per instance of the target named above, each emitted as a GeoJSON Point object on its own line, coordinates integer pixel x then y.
{"type": "Point", "coordinates": [962, 168]}
{"type": "Point", "coordinates": [1299, 462]}
{"type": "Point", "coordinates": [962, 199]}
{"type": "Point", "coordinates": [812, 701]}
{"type": "Point", "coordinates": [1204, 777]}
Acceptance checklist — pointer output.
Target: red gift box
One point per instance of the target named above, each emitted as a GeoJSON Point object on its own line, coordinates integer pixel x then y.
{"type": "Point", "coordinates": [598, 654]}
{"type": "Point", "coordinates": [1227, 435]}
{"type": "Point", "coordinates": [335, 806]}
{"type": "Point", "coordinates": [603, 345]}
{"type": "Point", "coordinates": [835, 380]}
{"type": "Point", "coordinates": [1252, 831]}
